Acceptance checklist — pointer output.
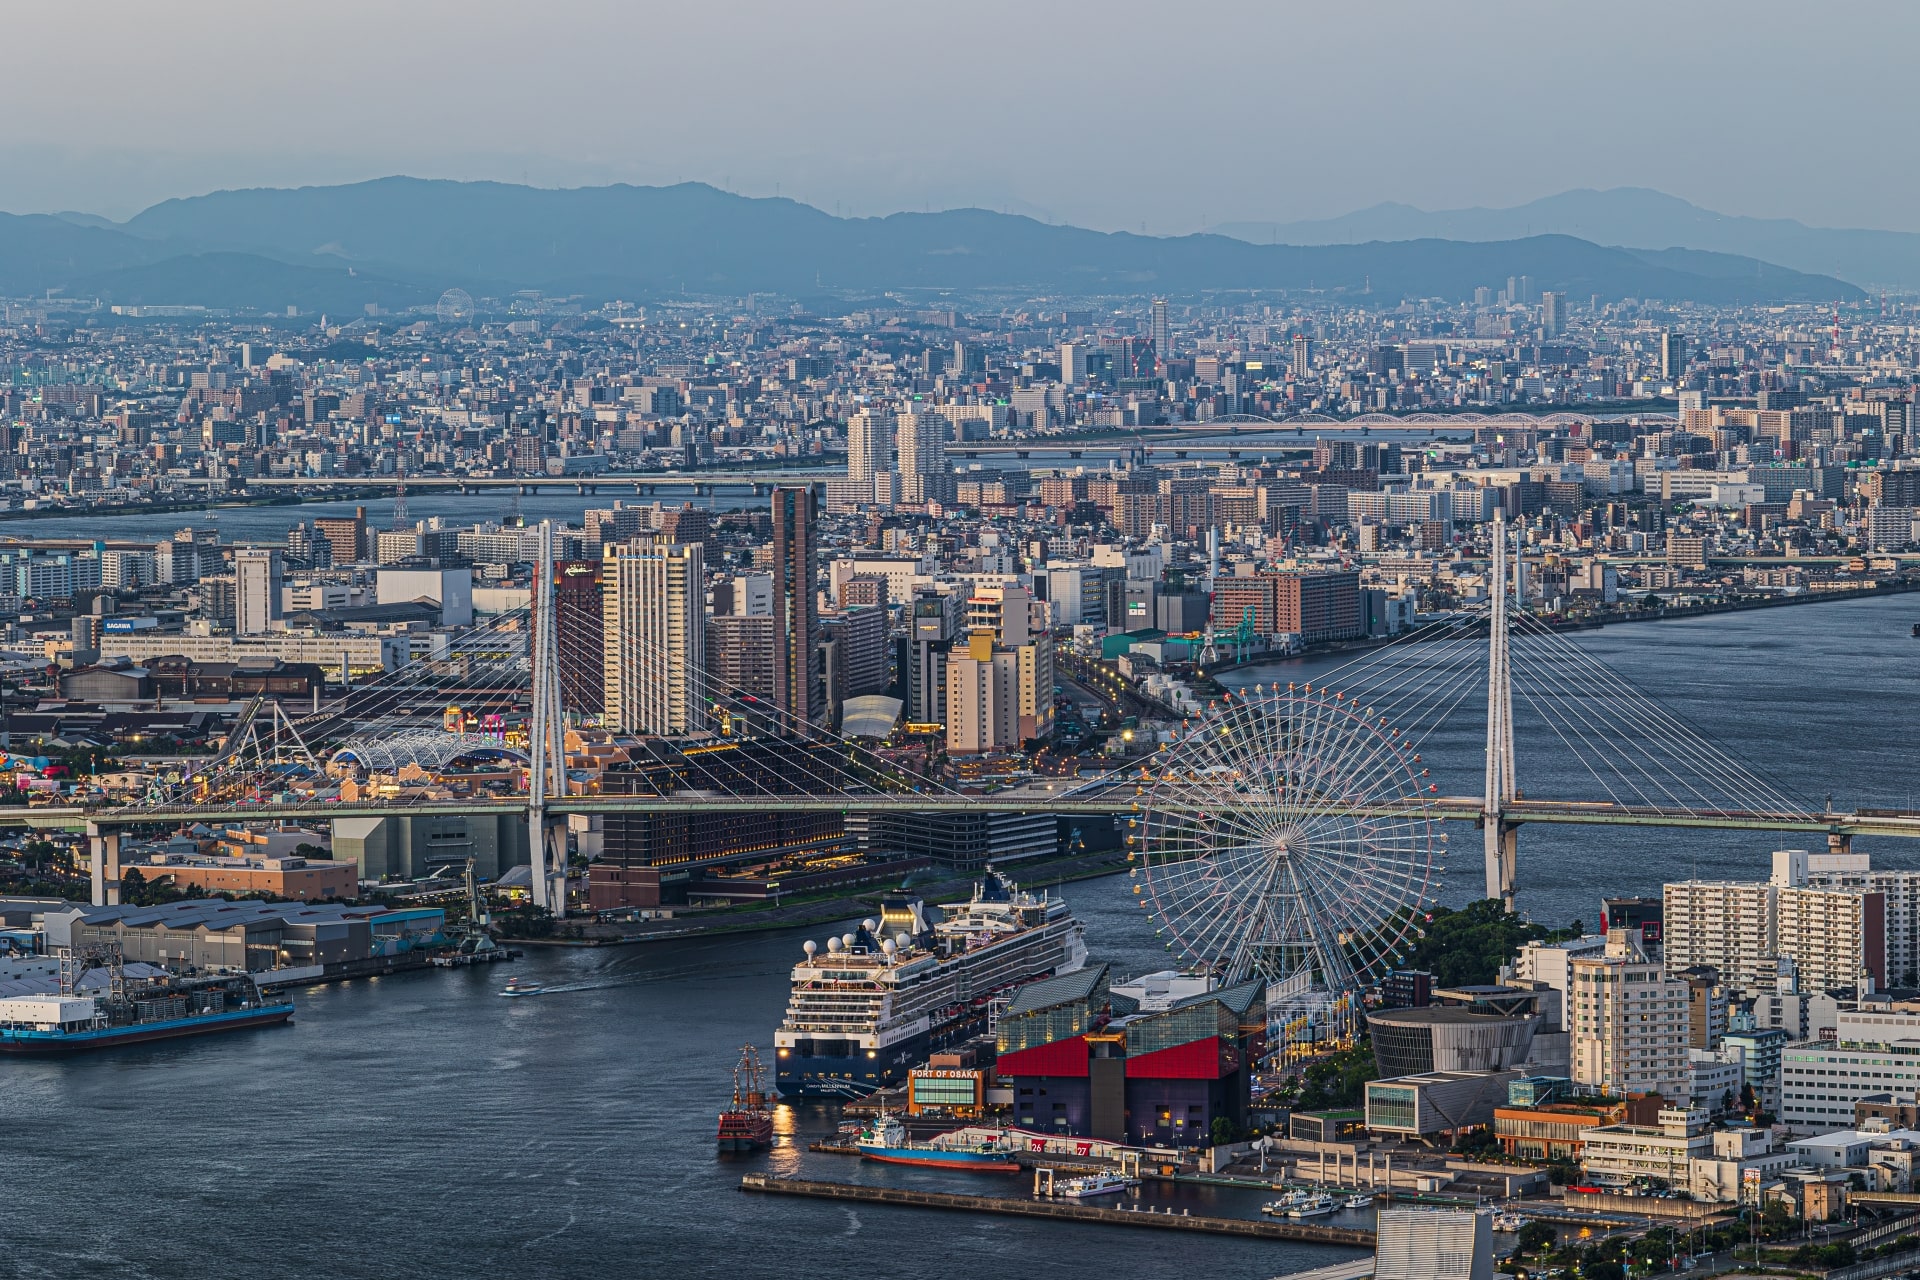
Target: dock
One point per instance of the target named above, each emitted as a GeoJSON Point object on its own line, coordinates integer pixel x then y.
{"type": "Point", "coordinates": [1253, 1228]}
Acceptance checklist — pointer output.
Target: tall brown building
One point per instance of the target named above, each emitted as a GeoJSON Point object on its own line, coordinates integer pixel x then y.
{"type": "Point", "coordinates": [579, 619]}
{"type": "Point", "coordinates": [794, 682]}
{"type": "Point", "coordinates": [347, 536]}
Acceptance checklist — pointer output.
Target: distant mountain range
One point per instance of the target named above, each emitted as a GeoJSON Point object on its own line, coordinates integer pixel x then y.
{"type": "Point", "coordinates": [397, 242]}
{"type": "Point", "coordinates": [1624, 216]}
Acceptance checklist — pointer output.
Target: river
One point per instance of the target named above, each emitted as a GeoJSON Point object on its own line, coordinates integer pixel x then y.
{"type": "Point", "coordinates": [422, 1126]}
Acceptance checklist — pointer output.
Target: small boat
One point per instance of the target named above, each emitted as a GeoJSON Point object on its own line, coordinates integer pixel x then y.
{"type": "Point", "coordinates": [885, 1140]}
{"type": "Point", "coordinates": [1317, 1205]}
{"type": "Point", "coordinates": [1916, 631]}
{"type": "Point", "coordinates": [748, 1124]}
{"type": "Point", "coordinates": [1284, 1205]}
{"type": "Point", "coordinates": [521, 987]}
{"type": "Point", "coordinates": [1363, 1200]}
{"type": "Point", "coordinates": [1094, 1184]}
{"type": "Point", "coordinates": [1508, 1221]}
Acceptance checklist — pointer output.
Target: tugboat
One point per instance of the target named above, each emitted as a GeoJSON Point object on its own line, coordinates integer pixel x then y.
{"type": "Point", "coordinates": [748, 1124]}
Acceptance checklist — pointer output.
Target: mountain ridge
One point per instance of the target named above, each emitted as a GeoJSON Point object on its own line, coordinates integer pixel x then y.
{"type": "Point", "coordinates": [399, 237]}
{"type": "Point", "coordinates": [1636, 216]}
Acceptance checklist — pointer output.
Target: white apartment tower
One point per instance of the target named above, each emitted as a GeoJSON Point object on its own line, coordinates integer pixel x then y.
{"type": "Point", "coordinates": [655, 637]}
{"type": "Point", "coordinates": [920, 441]}
{"type": "Point", "coordinates": [256, 590]}
{"type": "Point", "coordinates": [1728, 924]}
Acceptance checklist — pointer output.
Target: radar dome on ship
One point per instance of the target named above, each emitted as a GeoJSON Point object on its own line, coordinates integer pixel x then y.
{"type": "Point", "coordinates": [901, 940]}
{"type": "Point", "coordinates": [846, 940]}
{"type": "Point", "coordinates": [833, 944]}
{"type": "Point", "coordinates": [887, 946]}
{"type": "Point", "coordinates": [809, 946]}
{"type": "Point", "coordinates": [868, 925]}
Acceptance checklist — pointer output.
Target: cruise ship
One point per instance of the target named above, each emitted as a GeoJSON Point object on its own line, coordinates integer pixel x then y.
{"type": "Point", "coordinates": [877, 1001]}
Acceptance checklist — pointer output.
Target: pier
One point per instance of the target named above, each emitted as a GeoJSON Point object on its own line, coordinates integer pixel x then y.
{"type": "Point", "coordinates": [1255, 1228]}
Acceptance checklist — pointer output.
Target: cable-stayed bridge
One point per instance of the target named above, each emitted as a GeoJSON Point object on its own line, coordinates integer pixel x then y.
{"type": "Point", "coordinates": [1283, 829]}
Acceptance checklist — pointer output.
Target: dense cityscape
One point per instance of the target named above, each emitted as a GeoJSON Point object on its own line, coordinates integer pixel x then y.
{"type": "Point", "coordinates": [775, 688]}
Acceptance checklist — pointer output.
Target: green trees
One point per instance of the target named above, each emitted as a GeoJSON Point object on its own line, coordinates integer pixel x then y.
{"type": "Point", "coordinates": [1467, 947]}
{"type": "Point", "coordinates": [1337, 1081]}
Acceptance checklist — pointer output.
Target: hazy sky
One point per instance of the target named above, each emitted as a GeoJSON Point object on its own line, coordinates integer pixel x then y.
{"type": "Point", "coordinates": [1111, 114]}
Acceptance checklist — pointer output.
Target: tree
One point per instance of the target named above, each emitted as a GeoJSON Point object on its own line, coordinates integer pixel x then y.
{"type": "Point", "coordinates": [1467, 947]}
{"type": "Point", "coordinates": [1222, 1131]}
{"type": "Point", "coordinates": [1536, 1237]}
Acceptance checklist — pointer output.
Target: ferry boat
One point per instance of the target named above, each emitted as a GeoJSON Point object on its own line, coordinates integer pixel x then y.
{"type": "Point", "coordinates": [880, 999]}
{"type": "Point", "coordinates": [518, 986]}
{"type": "Point", "coordinates": [1095, 1184]}
{"type": "Point", "coordinates": [886, 1141]}
{"type": "Point", "coordinates": [122, 1011]}
{"type": "Point", "coordinates": [748, 1124]}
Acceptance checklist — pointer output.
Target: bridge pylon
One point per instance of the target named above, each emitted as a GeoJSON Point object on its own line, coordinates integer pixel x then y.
{"type": "Point", "coordinates": [546, 740]}
{"type": "Point", "coordinates": [1502, 839]}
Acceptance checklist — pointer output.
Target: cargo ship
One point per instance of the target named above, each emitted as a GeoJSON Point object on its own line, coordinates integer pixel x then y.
{"type": "Point", "coordinates": [98, 1007]}
{"type": "Point", "coordinates": [886, 1141]}
{"type": "Point", "coordinates": [748, 1124]}
{"type": "Point", "coordinates": [878, 1000]}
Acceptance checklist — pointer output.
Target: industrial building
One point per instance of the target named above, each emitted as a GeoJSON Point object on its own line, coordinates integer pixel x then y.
{"type": "Point", "coordinates": [211, 933]}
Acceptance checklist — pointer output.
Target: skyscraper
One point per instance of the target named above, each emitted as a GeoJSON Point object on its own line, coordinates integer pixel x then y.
{"type": "Point", "coordinates": [256, 590]}
{"type": "Point", "coordinates": [1073, 363]}
{"type": "Point", "coordinates": [795, 631]}
{"type": "Point", "coordinates": [921, 442]}
{"type": "Point", "coordinates": [1553, 312]}
{"type": "Point", "coordinates": [869, 448]}
{"type": "Point", "coordinates": [655, 637]}
{"type": "Point", "coordinates": [1673, 356]}
{"type": "Point", "coordinates": [1302, 356]}
{"type": "Point", "coordinates": [1162, 333]}
{"type": "Point", "coordinates": [579, 620]}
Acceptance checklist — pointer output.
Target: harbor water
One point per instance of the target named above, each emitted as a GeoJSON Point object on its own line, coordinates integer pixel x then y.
{"type": "Point", "coordinates": [422, 1126]}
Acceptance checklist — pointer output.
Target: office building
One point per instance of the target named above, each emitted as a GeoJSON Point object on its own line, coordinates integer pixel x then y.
{"type": "Point", "coordinates": [920, 444]}
{"type": "Point", "coordinates": [795, 677]}
{"type": "Point", "coordinates": [1073, 363]}
{"type": "Point", "coordinates": [1629, 1022]}
{"type": "Point", "coordinates": [1302, 357]}
{"type": "Point", "coordinates": [1553, 313]}
{"type": "Point", "coordinates": [256, 590]}
{"type": "Point", "coordinates": [654, 652]}
{"type": "Point", "coordinates": [579, 622]}
{"type": "Point", "coordinates": [1673, 357]}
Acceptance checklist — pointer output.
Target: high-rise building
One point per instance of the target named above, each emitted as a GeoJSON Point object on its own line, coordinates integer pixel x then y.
{"type": "Point", "coordinates": [346, 535]}
{"type": "Point", "coordinates": [1629, 1022]}
{"type": "Point", "coordinates": [740, 654]}
{"type": "Point", "coordinates": [655, 637]}
{"type": "Point", "coordinates": [1553, 313]}
{"type": "Point", "coordinates": [1162, 333]}
{"type": "Point", "coordinates": [920, 441]}
{"type": "Point", "coordinates": [1073, 363]}
{"type": "Point", "coordinates": [1837, 938]}
{"type": "Point", "coordinates": [861, 636]}
{"type": "Point", "coordinates": [794, 676]}
{"type": "Point", "coordinates": [1302, 356]}
{"type": "Point", "coordinates": [579, 621]}
{"type": "Point", "coordinates": [256, 590]}
{"type": "Point", "coordinates": [1725, 925]}
{"type": "Point", "coordinates": [1673, 356]}
{"type": "Point", "coordinates": [869, 444]}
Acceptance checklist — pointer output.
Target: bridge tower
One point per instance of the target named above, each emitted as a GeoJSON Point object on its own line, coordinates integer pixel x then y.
{"type": "Point", "coordinates": [546, 740]}
{"type": "Point", "coordinates": [1502, 844]}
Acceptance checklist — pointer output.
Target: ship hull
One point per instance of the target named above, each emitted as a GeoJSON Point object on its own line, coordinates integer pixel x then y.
{"type": "Point", "coordinates": [50, 1044]}
{"type": "Point", "coordinates": [928, 1158]}
{"type": "Point", "coordinates": [847, 1077]}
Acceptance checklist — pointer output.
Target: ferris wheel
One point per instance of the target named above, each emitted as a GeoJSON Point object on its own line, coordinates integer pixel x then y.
{"type": "Point", "coordinates": [1288, 836]}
